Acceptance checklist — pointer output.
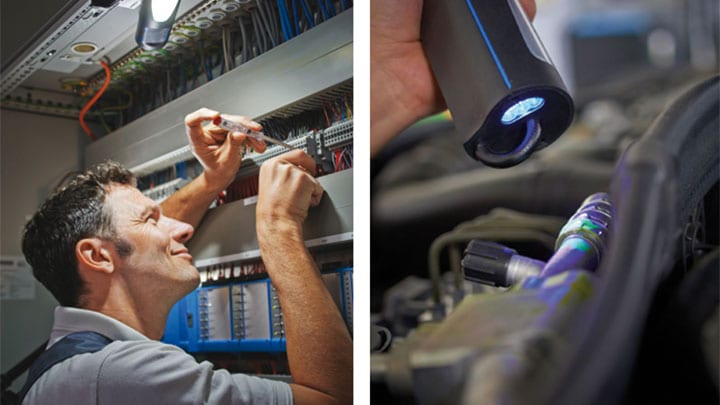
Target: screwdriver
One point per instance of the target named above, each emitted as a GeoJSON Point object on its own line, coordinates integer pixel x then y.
{"type": "Point", "coordinates": [229, 125]}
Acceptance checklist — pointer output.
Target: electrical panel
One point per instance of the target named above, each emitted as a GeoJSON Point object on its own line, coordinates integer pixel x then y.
{"type": "Point", "coordinates": [307, 73]}
{"type": "Point", "coordinates": [243, 313]}
{"type": "Point", "coordinates": [236, 308]}
{"type": "Point", "coordinates": [285, 64]}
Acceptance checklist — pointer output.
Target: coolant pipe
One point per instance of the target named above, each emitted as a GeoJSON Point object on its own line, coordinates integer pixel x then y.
{"type": "Point", "coordinates": [583, 239]}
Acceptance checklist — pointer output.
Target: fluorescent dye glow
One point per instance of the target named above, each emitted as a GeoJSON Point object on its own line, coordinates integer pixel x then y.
{"type": "Point", "coordinates": [577, 243]}
{"type": "Point", "coordinates": [521, 109]}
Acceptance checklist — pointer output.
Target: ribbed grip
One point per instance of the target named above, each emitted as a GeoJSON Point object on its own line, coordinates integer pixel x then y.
{"type": "Point", "coordinates": [487, 263]}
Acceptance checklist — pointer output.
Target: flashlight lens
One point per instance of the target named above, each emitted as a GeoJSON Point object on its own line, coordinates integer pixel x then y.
{"type": "Point", "coordinates": [522, 109]}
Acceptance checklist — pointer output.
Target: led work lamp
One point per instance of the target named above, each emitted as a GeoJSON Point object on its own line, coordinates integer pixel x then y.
{"type": "Point", "coordinates": [502, 90]}
{"type": "Point", "coordinates": [155, 22]}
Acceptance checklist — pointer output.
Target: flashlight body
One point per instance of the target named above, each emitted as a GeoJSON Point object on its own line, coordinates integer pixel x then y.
{"type": "Point", "coordinates": [502, 90]}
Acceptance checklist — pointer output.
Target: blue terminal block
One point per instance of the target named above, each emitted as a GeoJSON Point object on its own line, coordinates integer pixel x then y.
{"type": "Point", "coordinates": [243, 315]}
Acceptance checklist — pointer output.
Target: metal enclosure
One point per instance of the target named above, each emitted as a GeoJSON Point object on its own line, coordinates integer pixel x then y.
{"type": "Point", "coordinates": [227, 232]}
{"type": "Point", "coordinates": [293, 71]}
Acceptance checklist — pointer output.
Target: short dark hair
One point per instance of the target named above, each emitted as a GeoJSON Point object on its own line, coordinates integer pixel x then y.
{"type": "Point", "coordinates": [75, 210]}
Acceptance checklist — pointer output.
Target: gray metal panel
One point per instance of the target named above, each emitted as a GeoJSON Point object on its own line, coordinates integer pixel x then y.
{"type": "Point", "coordinates": [29, 65]}
{"type": "Point", "coordinates": [256, 311]}
{"type": "Point", "coordinates": [293, 71]}
{"type": "Point", "coordinates": [230, 228]}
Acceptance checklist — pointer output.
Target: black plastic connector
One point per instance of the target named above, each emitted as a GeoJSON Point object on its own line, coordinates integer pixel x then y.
{"type": "Point", "coordinates": [487, 263]}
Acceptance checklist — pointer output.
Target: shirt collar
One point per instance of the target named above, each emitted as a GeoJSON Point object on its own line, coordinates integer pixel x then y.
{"type": "Point", "coordinates": [70, 320]}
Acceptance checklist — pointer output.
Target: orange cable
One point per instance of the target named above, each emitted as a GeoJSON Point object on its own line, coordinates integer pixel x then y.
{"type": "Point", "coordinates": [93, 100]}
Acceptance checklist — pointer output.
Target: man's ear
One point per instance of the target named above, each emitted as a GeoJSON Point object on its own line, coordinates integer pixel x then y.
{"type": "Point", "coordinates": [93, 254]}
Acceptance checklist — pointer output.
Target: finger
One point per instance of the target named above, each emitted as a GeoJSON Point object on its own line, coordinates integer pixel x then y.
{"type": "Point", "coordinates": [317, 193]}
{"type": "Point", "coordinates": [299, 158]}
{"type": "Point", "coordinates": [244, 121]}
{"type": "Point", "coordinates": [530, 8]}
{"type": "Point", "coordinates": [257, 145]}
{"type": "Point", "coordinates": [238, 140]}
{"type": "Point", "coordinates": [218, 134]}
{"type": "Point", "coordinates": [196, 134]}
{"type": "Point", "coordinates": [196, 118]}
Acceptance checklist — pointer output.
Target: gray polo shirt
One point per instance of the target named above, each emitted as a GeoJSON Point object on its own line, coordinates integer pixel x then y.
{"type": "Point", "coordinates": [136, 370]}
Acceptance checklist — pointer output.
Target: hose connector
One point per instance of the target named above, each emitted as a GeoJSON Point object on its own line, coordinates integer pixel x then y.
{"type": "Point", "coordinates": [584, 237]}
{"type": "Point", "coordinates": [497, 265]}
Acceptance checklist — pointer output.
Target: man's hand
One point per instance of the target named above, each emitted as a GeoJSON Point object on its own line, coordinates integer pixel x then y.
{"type": "Point", "coordinates": [402, 86]}
{"type": "Point", "coordinates": [219, 152]}
{"type": "Point", "coordinates": [287, 188]}
{"type": "Point", "coordinates": [319, 347]}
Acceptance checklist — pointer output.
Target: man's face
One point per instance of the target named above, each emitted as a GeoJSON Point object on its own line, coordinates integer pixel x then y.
{"type": "Point", "coordinates": [158, 262]}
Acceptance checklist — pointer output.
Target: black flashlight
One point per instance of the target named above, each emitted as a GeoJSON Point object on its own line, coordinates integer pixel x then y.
{"type": "Point", "coordinates": [502, 90]}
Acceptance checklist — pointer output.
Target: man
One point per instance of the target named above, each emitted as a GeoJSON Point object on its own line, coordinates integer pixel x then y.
{"type": "Point", "coordinates": [117, 263]}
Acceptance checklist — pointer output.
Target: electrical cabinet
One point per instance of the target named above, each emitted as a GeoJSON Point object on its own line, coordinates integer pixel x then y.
{"type": "Point", "coordinates": [285, 64]}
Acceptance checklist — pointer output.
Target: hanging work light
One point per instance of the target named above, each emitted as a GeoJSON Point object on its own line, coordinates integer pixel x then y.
{"type": "Point", "coordinates": [156, 21]}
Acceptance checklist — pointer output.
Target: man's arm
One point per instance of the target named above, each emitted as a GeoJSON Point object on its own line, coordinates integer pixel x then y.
{"type": "Point", "coordinates": [220, 153]}
{"type": "Point", "coordinates": [319, 346]}
{"type": "Point", "coordinates": [190, 203]}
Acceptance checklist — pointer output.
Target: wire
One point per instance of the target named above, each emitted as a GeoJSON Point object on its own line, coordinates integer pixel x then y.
{"type": "Point", "coordinates": [273, 16]}
{"type": "Point", "coordinates": [347, 107]}
{"type": "Point", "coordinates": [338, 156]}
{"type": "Point", "coordinates": [323, 10]}
{"type": "Point", "coordinates": [259, 29]}
{"type": "Point", "coordinates": [181, 78]}
{"type": "Point", "coordinates": [295, 16]}
{"type": "Point", "coordinates": [284, 23]}
{"type": "Point", "coordinates": [92, 101]}
{"type": "Point", "coordinates": [291, 26]}
{"type": "Point", "coordinates": [327, 118]}
{"type": "Point", "coordinates": [208, 67]}
{"type": "Point", "coordinates": [308, 15]}
{"type": "Point", "coordinates": [347, 156]}
{"type": "Point", "coordinates": [263, 19]}
{"type": "Point", "coordinates": [243, 34]}
{"type": "Point", "coordinates": [104, 123]}
{"type": "Point", "coordinates": [168, 87]}
{"type": "Point", "coordinates": [196, 73]}
{"type": "Point", "coordinates": [226, 49]}
{"type": "Point", "coordinates": [259, 38]}
{"type": "Point", "coordinates": [119, 107]}
{"type": "Point", "coordinates": [203, 63]}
